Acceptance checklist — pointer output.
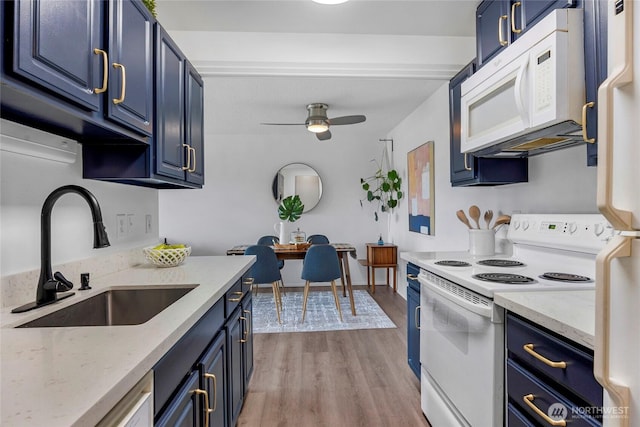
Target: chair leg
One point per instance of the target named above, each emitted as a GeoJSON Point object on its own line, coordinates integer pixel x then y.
{"type": "Point", "coordinates": [282, 285]}
{"type": "Point", "coordinates": [335, 296]}
{"type": "Point", "coordinates": [279, 294]}
{"type": "Point", "coordinates": [276, 299]}
{"type": "Point", "coordinates": [304, 300]}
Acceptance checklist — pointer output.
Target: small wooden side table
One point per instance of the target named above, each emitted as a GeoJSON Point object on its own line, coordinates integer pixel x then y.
{"type": "Point", "coordinates": [380, 256]}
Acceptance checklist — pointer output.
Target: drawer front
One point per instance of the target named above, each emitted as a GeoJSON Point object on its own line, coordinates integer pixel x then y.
{"type": "Point", "coordinates": [233, 297]}
{"type": "Point", "coordinates": [578, 373]}
{"type": "Point", "coordinates": [515, 418]}
{"type": "Point", "coordinates": [412, 276]}
{"type": "Point", "coordinates": [521, 383]}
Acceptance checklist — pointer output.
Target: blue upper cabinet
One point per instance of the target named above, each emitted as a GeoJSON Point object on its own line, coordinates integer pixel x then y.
{"type": "Point", "coordinates": [55, 46]}
{"type": "Point", "coordinates": [195, 125]}
{"type": "Point", "coordinates": [81, 68]}
{"type": "Point", "coordinates": [501, 22]}
{"type": "Point", "coordinates": [130, 87]}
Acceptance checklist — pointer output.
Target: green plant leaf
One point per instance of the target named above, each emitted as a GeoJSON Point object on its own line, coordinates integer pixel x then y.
{"type": "Point", "coordinates": [290, 208]}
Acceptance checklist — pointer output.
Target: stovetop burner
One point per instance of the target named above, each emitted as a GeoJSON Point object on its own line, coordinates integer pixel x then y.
{"type": "Point", "coordinates": [565, 277]}
{"type": "Point", "coordinates": [515, 279]}
{"type": "Point", "coordinates": [501, 263]}
{"type": "Point", "coordinates": [452, 263]}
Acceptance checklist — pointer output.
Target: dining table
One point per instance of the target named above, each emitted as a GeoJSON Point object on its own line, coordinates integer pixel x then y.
{"type": "Point", "coordinates": [293, 251]}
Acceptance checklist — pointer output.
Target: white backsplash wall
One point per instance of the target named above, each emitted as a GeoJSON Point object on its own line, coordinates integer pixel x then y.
{"type": "Point", "coordinates": [25, 184]}
{"type": "Point", "coordinates": [559, 182]}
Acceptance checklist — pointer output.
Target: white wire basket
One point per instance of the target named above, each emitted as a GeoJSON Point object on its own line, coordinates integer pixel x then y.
{"type": "Point", "coordinates": [167, 257]}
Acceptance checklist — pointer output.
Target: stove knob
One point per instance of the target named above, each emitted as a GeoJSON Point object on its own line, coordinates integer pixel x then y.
{"type": "Point", "coordinates": [525, 225]}
{"type": "Point", "coordinates": [572, 228]}
{"type": "Point", "coordinates": [516, 224]}
{"type": "Point", "coordinates": [598, 229]}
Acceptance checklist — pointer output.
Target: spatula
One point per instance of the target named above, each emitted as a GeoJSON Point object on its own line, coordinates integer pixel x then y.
{"type": "Point", "coordinates": [463, 218]}
{"type": "Point", "coordinates": [502, 219]}
{"type": "Point", "coordinates": [474, 213]}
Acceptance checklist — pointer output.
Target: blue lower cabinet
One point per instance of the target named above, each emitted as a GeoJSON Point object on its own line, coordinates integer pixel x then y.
{"type": "Point", "coordinates": [185, 409]}
{"type": "Point", "coordinates": [413, 318]}
{"type": "Point", "coordinates": [515, 418]}
{"type": "Point", "coordinates": [213, 379]}
{"type": "Point", "coordinates": [234, 366]}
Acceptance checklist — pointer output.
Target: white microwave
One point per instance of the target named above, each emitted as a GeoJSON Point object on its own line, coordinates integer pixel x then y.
{"type": "Point", "coordinates": [530, 98]}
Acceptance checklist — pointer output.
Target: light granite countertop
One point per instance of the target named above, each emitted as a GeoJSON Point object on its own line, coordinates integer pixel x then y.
{"type": "Point", "coordinates": [568, 313]}
{"type": "Point", "coordinates": [74, 376]}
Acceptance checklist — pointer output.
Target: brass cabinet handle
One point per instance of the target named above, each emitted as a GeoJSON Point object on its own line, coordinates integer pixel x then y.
{"type": "Point", "coordinates": [412, 277]}
{"type": "Point", "coordinates": [193, 151]}
{"type": "Point", "coordinates": [584, 122]}
{"type": "Point", "coordinates": [206, 403]}
{"type": "Point", "coordinates": [235, 299]}
{"type": "Point", "coordinates": [528, 399]}
{"type": "Point", "coordinates": [513, 18]}
{"type": "Point", "coordinates": [529, 349]}
{"type": "Point", "coordinates": [213, 378]}
{"type": "Point", "coordinates": [502, 42]}
{"type": "Point", "coordinates": [248, 313]}
{"type": "Point", "coordinates": [466, 165]}
{"type": "Point", "coordinates": [244, 340]}
{"type": "Point", "coordinates": [105, 70]}
{"type": "Point", "coordinates": [248, 281]}
{"type": "Point", "coordinates": [123, 89]}
{"type": "Point", "coordinates": [416, 316]}
{"type": "Point", "coordinates": [188, 166]}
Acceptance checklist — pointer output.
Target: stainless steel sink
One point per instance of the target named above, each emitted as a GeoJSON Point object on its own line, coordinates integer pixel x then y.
{"type": "Point", "coordinates": [113, 307]}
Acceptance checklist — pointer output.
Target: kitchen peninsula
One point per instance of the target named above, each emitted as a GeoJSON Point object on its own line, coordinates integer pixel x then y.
{"type": "Point", "coordinates": [74, 376]}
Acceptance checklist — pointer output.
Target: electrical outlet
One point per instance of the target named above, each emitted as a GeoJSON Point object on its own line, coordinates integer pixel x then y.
{"type": "Point", "coordinates": [130, 223]}
{"type": "Point", "coordinates": [121, 226]}
{"type": "Point", "coordinates": [147, 224]}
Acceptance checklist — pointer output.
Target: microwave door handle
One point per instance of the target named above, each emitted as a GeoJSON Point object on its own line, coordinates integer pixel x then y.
{"type": "Point", "coordinates": [518, 92]}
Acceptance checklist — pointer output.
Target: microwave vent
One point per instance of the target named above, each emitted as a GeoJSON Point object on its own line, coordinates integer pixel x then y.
{"type": "Point", "coordinates": [536, 143]}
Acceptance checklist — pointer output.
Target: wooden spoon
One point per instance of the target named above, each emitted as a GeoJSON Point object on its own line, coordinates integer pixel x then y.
{"type": "Point", "coordinates": [474, 213]}
{"type": "Point", "coordinates": [488, 216]}
{"type": "Point", "coordinates": [463, 218]}
{"type": "Point", "coordinates": [502, 219]}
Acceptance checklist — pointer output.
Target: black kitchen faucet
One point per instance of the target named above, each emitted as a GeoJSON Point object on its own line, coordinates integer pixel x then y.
{"type": "Point", "coordinates": [50, 284]}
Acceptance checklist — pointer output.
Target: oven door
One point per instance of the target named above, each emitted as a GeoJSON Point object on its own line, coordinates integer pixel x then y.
{"type": "Point", "coordinates": [462, 354]}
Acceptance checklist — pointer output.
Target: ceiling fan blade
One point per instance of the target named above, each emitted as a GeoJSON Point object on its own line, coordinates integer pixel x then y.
{"type": "Point", "coordinates": [347, 120]}
{"type": "Point", "coordinates": [322, 136]}
{"type": "Point", "coordinates": [283, 124]}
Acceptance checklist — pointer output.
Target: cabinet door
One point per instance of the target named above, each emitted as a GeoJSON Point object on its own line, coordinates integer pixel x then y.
{"type": "Point", "coordinates": [528, 12]}
{"type": "Point", "coordinates": [234, 365]}
{"type": "Point", "coordinates": [595, 70]}
{"type": "Point", "coordinates": [247, 353]}
{"type": "Point", "coordinates": [213, 379]}
{"type": "Point", "coordinates": [195, 124]}
{"type": "Point", "coordinates": [462, 168]}
{"type": "Point", "coordinates": [413, 333]}
{"type": "Point", "coordinates": [169, 134]}
{"type": "Point", "coordinates": [130, 89]}
{"type": "Point", "coordinates": [54, 43]}
{"type": "Point", "coordinates": [492, 21]}
{"type": "Point", "coordinates": [185, 408]}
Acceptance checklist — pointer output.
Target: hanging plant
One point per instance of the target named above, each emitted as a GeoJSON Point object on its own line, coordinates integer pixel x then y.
{"type": "Point", "coordinates": [383, 188]}
{"type": "Point", "coordinates": [290, 208]}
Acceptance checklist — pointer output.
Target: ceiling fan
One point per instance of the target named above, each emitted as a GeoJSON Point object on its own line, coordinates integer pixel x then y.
{"type": "Point", "coordinates": [318, 122]}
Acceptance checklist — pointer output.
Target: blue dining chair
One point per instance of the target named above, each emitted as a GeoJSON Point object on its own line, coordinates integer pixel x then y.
{"type": "Point", "coordinates": [265, 270]}
{"type": "Point", "coordinates": [271, 241]}
{"type": "Point", "coordinates": [316, 239]}
{"type": "Point", "coordinates": [321, 264]}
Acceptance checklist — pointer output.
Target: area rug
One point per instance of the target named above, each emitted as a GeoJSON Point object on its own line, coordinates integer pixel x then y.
{"type": "Point", "coordinates": [321, 313]}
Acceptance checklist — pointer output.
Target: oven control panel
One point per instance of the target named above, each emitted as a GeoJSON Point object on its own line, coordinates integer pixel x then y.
{"type": "Point", "coordinates": [579, 232]}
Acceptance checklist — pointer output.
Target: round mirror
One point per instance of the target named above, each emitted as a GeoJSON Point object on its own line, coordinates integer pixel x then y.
{"type": "Point", "coordinates": [300, 179]}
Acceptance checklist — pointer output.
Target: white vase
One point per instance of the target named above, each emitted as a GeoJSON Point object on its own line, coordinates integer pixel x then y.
{"type": "Point", "coordinates": [282, 230]}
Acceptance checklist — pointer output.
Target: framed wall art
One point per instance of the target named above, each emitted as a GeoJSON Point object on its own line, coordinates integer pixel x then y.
{"type": "Point", "coordinates": [421, 189]}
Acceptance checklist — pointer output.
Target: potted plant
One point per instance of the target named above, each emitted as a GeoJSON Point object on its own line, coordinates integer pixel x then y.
{"type": "Point", "coordinates": [289, 210]}
{"type": "Point", "coordinates": [383, 188]}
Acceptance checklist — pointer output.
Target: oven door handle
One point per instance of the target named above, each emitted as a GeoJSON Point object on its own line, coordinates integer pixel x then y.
{"type": "Point", "coordinates": [485, 311]}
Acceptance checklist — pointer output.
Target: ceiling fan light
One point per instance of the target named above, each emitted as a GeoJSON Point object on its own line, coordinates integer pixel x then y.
{"type": "Point", "coordinates": [317, 126]}
{"type": "Point", "coordinates": [330, 1]}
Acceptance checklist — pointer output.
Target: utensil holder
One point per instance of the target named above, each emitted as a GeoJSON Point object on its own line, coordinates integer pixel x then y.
{"type": "Point", "coordinates": [482, 242]}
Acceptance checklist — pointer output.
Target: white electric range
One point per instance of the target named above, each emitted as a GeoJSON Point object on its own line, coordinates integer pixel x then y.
{"type": "Point", "coordinates": [462, 331]}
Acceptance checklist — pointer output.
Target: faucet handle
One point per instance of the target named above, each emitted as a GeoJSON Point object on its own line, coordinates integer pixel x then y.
{"type": "Point", "coordinates": [63, 284]}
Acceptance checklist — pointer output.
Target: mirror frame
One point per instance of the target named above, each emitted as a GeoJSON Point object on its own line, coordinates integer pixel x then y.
{"type": "Point", "coordinates": [275, 185]}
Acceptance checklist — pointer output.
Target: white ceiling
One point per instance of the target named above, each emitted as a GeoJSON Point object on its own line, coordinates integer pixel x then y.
{"type": "Point", "coordinates": [264, 61]}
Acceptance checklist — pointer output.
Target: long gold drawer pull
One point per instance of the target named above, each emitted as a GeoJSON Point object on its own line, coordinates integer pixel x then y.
{"type": "Point", "coordinates": [529, 349]}
{"type": "Point", "coordinates": [412, 277]}
{"type": "Point", "coordinates": [105, 70]}
{"type": "Point", "coordinates": [244, 340]}
{"type": "Point", "coordinates": [584, 122]}
{"type": "Point", "coordinates": [206, 403]}
{"type": "Point", "coordinates": [502, 42]}
{"type": "Point", "coordinates": [466, 165]}
{"type": "Point", "coordinates": [513, 18]}
{"type": "Point", "coordinates": [416, 316]}
{"type": "Point", "coordinates": [123, 89]}
{"type": "Point", "coordinates": [528, 399]}
{"type": "Point", "coordinates": [237, 299]}
{"type": "Point", "coordinates": [188, 166]}
{"type": "Point", "coordinates": [213, 378]}
{"type": "Point", "coordinates": [248, 281]}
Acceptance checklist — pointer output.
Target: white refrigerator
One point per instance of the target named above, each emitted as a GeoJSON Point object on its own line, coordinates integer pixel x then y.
{"type": "Point", "coordinates": [617, 341]}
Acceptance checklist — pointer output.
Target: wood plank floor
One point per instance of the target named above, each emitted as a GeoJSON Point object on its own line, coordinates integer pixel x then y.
{"type": "Point", "coordinates": [336, 378]}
